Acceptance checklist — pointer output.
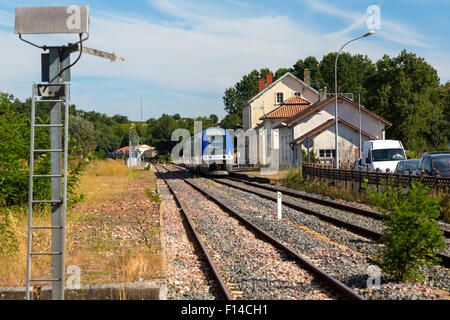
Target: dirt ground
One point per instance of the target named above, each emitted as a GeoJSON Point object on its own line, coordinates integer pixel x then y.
{"type": "Point", "coordinates": [113, 235]}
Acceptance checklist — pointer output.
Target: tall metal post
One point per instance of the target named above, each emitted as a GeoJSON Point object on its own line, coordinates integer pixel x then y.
{"type": "Point", "coordinates": [359, 104]}
{"type": "Point", "coordinates": [336, 131]}
{"type": "Point", "coordinates": [56, 185]}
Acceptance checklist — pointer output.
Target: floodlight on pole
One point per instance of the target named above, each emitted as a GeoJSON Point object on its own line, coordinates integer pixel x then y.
{"type": "Point", "coordinates": [336, 157]}
{"type": "Point", "coordinates": [359, 102]}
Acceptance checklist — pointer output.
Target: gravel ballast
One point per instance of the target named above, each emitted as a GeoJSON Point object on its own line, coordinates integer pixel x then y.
{"type": "Point", "coordinates": [342, 254]}
{"type": "Point", "coordinates": [251, 267]}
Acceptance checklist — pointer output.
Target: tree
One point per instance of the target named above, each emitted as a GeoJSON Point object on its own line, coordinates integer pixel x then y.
{"type": "Point", "coordinates": [279, 73]}
{"type": "Point", "coordinates": [15, 154]}
{"type": "Point", "coordinates": [232, 101]}
{"type": "Point", "coordinates": [298, 69]}
{"type": "Point", "coordinates": [231, 121]}
{"type": "Point", "coordinates": [214, 119]}
{"type": "Point", "coordinates": [243, 91]}
{"type": "Point", "coordinates": [409, 96]}
{"type": "Point", "coordinates": [120, 119]}
{"type": "Point", "coordinates": [351, 71]}
{"type": "Point", "coordinates": [83, 133]}
{"type": "Point", "coordinates": [108, 139]}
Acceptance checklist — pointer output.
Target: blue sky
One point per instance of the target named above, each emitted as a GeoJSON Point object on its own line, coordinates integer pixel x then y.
{"type": "Point", "coordinates": [182, 55]}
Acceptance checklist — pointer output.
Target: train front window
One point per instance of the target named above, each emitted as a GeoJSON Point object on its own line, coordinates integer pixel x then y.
{"type": "Point", "coordinates": [216, 144]}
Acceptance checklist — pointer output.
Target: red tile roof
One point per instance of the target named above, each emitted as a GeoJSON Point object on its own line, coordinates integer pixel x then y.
{"type": "Point", "coordinates": [288, 109]}
{"type": "Point", "coordinates": [127, 148]}
{"type": "Point", "coordinates": [297, 100]}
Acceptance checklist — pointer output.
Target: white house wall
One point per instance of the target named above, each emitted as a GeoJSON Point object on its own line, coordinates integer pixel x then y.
{"type": "Point", "coordinates": [267, 101]}
{"type": "Point", "coordinates": [346, 112]}
{"type": "Point", "coordinates": [311, 122]}
{"type": "Point", "coordinates": [348, 141]}
{"type": "Point", "coordinates": [349, 113]}
{"type": "Point", "coordinates": [286, 153]}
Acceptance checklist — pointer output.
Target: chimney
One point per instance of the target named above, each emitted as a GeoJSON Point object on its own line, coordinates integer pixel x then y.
{"type": "Point", "coordinates": [306, 76]}
{"type": "Point", "coordinates": [261, 85]}
{"type": "Point", "coordinates": [269, 79]}
{"type": "Point", "coordinates": [323, 94]}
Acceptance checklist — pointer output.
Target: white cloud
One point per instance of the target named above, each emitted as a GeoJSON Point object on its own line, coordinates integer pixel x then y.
{"type": "Point", "coordinates": [184, 64]}
{"type": "Point", "coordinates": [393, 31]}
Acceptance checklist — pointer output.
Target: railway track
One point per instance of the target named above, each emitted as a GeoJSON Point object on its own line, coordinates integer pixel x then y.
{"type": "Point", "coordinates": [342, 290]}
{"type": "Point", "coordinates": [328, 203]}
{"type": "Point", "coordinates": [292, 203]}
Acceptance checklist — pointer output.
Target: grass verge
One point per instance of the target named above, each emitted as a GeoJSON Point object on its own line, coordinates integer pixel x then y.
{"type": "Point", "coordinates": [112, 235]}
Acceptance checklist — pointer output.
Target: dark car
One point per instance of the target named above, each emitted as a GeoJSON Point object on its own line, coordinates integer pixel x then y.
{"type": "Point", "coordinates": [405, 165]}
{"type": "Point", "coordinates": [431, 162]}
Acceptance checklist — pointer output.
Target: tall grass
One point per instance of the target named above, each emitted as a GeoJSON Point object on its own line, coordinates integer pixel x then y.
{"type": "Point", "coordinates": [90, 243]}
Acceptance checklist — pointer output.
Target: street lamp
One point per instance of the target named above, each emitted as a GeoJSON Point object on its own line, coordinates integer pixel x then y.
{"type": "Point", "coordinates": [336, 157]}
{"type": "Point", "coordinates": [359, 103]}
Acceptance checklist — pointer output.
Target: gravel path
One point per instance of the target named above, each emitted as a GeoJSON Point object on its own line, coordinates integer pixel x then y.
{"type": "Point", "coordinates": [340, 253]}
{"type": "Point", "coordinates": [350, 217]}
{"type": "Point", "coordinates": [188, 274]}
{"type": "Point", "coordinates": [252, 268]}
{"type": "Point", "coordinates": [443, 224]}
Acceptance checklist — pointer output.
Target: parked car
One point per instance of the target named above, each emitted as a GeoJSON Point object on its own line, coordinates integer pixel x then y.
{"type": "Point", "coordinates": [433, 161]}
{"type": "Point", "coordinates": [382, 154]}
{"type": "Point", "coordinates": [405, 165]}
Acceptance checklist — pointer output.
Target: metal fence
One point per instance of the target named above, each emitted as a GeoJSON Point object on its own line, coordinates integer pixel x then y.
{"type": "Point", "coordinates": [351, 178]}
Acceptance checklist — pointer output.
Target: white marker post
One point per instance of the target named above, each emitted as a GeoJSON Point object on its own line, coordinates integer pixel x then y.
{"type": "Point", "coordinates": [279, 204]}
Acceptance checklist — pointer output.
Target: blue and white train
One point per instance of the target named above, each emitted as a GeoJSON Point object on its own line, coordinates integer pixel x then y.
{"type": "Point", "coordinates": [214, 152]}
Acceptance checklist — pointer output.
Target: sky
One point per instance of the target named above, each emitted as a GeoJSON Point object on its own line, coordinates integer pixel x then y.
{"type": "Point", "coordinates": [180, 56]}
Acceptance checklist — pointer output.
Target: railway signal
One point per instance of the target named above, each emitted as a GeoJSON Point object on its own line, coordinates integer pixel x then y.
{"type": "Point", "coordinates": [56, 72]}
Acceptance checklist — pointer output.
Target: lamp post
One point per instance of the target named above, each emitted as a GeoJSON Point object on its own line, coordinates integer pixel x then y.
{"type": "Point", "coordinates": [336, 156]}
{"type": "Point", "coordinates": [359, 103]}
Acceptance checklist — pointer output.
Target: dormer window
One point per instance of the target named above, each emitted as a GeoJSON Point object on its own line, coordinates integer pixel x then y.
{"type": "Point", "coordinates": [298, 94]}
{"type": "Point", "coordinates": [279, 97]}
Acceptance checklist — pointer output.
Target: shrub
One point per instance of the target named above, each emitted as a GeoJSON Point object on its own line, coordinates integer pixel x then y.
{"type": "Point", "coordinates": [165, 158]}
{"type": "Point", "coordinates": [14, 158]}
{"type": "Point", "coordinates": [312, 156]}
{"type": "Point", "coordinates": [412, 234]}
{"type": "Point", "coordinates": [8, 238]}
{"type": "Point", "coordinates": [294, 178]}
{"type": "Point", "coordinates": [152, 196]}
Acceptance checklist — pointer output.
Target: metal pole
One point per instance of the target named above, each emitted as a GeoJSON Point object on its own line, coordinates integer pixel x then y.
{"type": "Point", "coordinates": [56, 185]}
{"type": "Point", "coordinates": [335, 95]}
{"type": "Point", "coordinates": [359, 115]}
{"type": "Point", "coordinates": [30, 196]}
{"type": "Point", "coordinates": [359, 104]}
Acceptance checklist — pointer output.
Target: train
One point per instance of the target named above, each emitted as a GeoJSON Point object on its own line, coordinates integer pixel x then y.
{"type": "Point", "coordinates": [216, 155]}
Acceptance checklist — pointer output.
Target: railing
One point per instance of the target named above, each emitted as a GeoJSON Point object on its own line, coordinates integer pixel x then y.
{"type": "Point", "coordinates": [351, 178]}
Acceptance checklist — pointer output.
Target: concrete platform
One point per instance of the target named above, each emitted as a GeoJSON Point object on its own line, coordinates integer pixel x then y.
{"type": "Point", "coordinates": [121, 291]}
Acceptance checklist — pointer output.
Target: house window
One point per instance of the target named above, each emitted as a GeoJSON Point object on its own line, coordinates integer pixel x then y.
{"type": "Point", "coordinates": [279, 97]}
{"type": "Point", "coordinates": [298, 94]}
{"type": "Point", "coordinates": [327, 153]}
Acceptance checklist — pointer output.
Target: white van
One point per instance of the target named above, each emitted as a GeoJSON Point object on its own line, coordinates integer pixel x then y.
{"type": "Point", "coordinates": [382, 154]}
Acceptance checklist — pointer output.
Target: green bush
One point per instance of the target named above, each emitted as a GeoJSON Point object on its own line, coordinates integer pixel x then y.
{"type": "Point", "coordinates": [293, 178]}
{"type": "Point", "coordinates": [412, 235]}
{"type": "Point", "coordinates": [152, 196]}
{"type": "Point", "coordinates": [165, 158]}
{"type": "Point", "coordinates": [8, 238]}
{"type": "Point", "coordinates": [15, 154]}
{"type": "Point", "coordinates": [312, 156]}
